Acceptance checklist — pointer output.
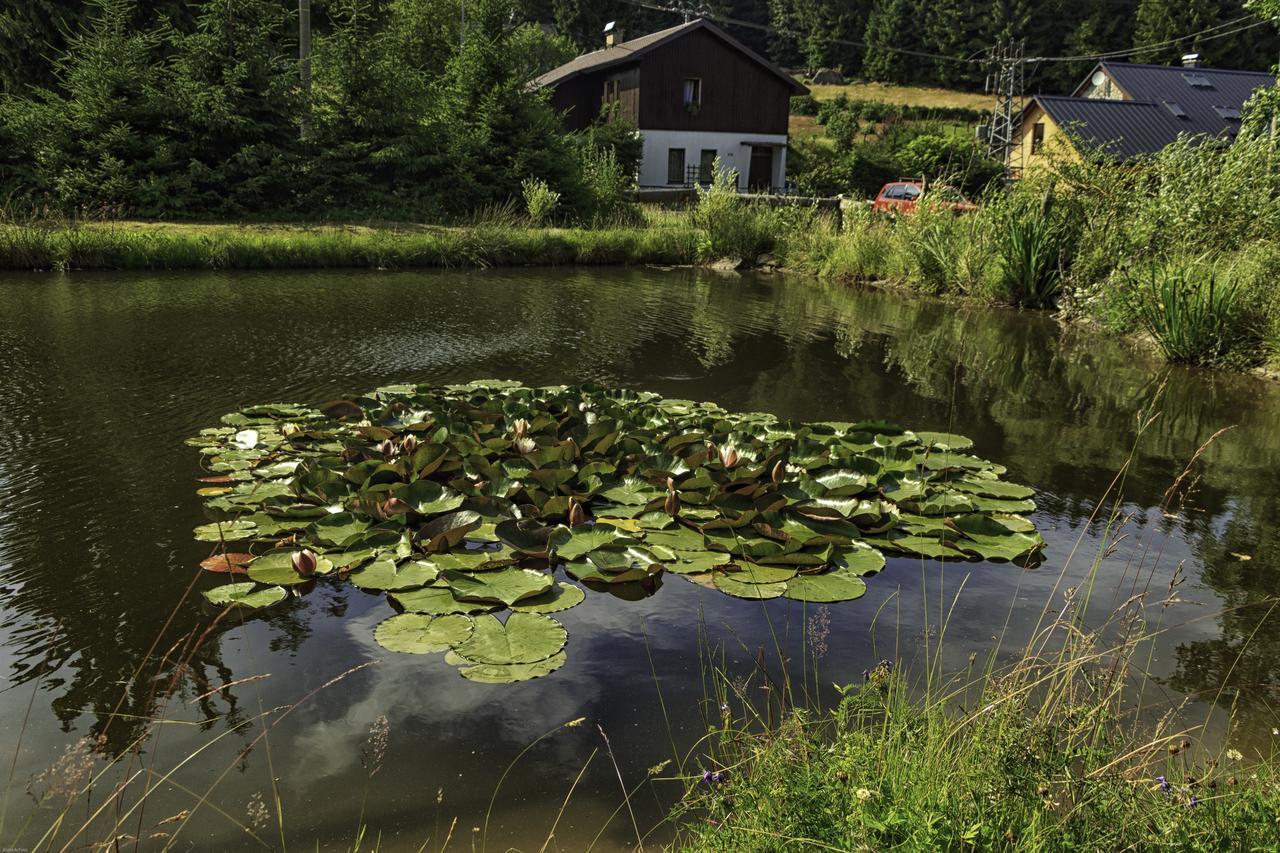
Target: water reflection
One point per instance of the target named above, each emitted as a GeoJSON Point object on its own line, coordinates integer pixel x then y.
{"type": "Point", "coordinates": [105, 374]}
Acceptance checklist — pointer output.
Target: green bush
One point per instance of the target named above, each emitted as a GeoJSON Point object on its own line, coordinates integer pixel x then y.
{"type": "Point", "coordinates": [540, 201]}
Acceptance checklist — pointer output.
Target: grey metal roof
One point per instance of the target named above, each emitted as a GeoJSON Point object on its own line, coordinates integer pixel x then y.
{"type": "Point", "coordinates": [1164, 101]}
{"type": "Point", "coordinates": [1119, 129]}
{"type": "Point", "coordinates": [629, 51]}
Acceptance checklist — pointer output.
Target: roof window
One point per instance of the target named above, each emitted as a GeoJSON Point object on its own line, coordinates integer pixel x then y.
{"type": "Point", "coordinates": [1197, 81]}
{"type": "Point", "coordinates": [1176, 109]}
{"type": "Point", "coordinates": [1227, 113]}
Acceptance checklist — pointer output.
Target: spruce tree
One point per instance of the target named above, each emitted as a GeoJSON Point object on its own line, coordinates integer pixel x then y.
{"type": "Point", "coordinates": [888, 27]}
{"type": "Point", "coordinates": [232, 87]}
{"type": "Point", "coordinates": [955, 29]}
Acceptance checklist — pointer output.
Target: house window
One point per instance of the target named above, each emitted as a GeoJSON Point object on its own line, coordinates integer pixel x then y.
{"type": "Point", "coordinates": [610, 91]}
{"type": "Point", "coordinates": [675, 165]}
{"type": "Point", "coordinates": [707, 165]}
{"type": "Point", "coordinates": [1037, 137]}
{"type": "Point", "coordinates": [692, 93]}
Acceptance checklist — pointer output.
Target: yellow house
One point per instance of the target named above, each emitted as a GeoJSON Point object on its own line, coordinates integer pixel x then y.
{"type": "Point", "coordinates": [1123, 110]}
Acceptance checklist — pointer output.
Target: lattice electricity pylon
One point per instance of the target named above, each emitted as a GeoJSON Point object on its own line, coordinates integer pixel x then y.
{"type": "Point", "coordinates": [1006, 79]}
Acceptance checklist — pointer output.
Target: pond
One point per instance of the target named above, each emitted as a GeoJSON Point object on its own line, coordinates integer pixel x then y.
{"type": "Point", "coordinates": [105, 375]}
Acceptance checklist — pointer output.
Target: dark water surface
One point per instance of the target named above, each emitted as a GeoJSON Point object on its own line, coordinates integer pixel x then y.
{"type": "Point", "coordinates": [102, 376]}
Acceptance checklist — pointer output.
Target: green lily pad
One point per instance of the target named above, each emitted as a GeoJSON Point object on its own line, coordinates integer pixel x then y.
{"type": "Point", "coordinates": [226, 531]}
{"type": "Point", "coordinates": [418, 634]}
{"type": "Point", "coordinates": [276, 567]}
{"type": "Point", "coordinates": [337, 529]}
{"type": "Point", "coordinates": [587, 538]}
{"type": "Point", "coordinates": [836, 585]}
{"type": "Point", "coordinates": [384, 575]}
{"type": "Point", "coordinates": [738, 589]}
{"type": "Point", "coordinates": [560, 597]}
{"type": "Point", "coordinates": [748, 573]}
{"type": "Point", "coordinates": [437, 601]}
{"type": "Point", "coordinates": [428, 497]}
{"type": "Point", "coordinates": [505, 586]}
{"type": "Point", "coordinates": [487, 673]}
{"type": "Point", "coordinates": [246, 594]}
{"type": "Point", "coordinates": [524, 638]}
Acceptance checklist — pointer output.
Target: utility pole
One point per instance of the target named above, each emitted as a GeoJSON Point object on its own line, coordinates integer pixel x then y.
{"type": "Point", "coordinates": [1006, 80]}
{"type": "Point", "coordinates": [304, 62]}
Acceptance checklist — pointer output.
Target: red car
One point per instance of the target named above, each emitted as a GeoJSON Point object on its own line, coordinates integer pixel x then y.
{"type": "Point", "coordinates": [903, 196]}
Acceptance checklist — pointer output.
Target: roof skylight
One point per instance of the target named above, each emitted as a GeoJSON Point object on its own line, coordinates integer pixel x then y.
{"type": "Point", "coordinates": [1228, 113]}
{"type": "Point", "coordinates": [1177, 110]}
{"type": "Point", "coordinates": [1197, 81]}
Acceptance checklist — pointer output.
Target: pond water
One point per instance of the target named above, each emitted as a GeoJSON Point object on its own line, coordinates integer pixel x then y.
{"type": "Point", "coordinates": [105, 375]}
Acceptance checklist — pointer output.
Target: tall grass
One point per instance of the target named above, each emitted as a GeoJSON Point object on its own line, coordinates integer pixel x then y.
{"type": "Point", "coordinates": [1193, 315]}
{"type": "Point", "coordinates": [1062, 748]}
{"type": "Point", "coordinates": [484, 243]}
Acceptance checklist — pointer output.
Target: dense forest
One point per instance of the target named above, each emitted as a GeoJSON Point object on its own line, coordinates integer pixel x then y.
{"type": "Point", "coordinates": [422, 108]}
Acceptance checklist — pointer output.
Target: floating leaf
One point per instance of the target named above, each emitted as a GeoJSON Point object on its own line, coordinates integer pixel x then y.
{"type": "Point", "coordinates": [738, 589]}
{"type": "Point", "coordinates": [384, 575]}
{"type": "Point", "coordinates": [506, 586]}
{"type": "Point", "coordinates": [837, 585]}
{"type": "Point", "coordinates": [486, 673]}
{"type": "Point", "coordinates": [436, 601]}
{"type": "Point", "coordinates": [277, 567]}
{"type": "Point", "coordinates": [587, 538]}
{"type": "Point", "coordinates": [417, 634]}
{"type": "Point", "coordinates": [245, 594]}
{"type": "Point", "coordinates": [236, 530]}
{"type": "Point", "coordinates": [561, 597]}
{"type": "Point", "coordinates": [525, 638]}
{"type": "Point", "coordinates": [228, 563]}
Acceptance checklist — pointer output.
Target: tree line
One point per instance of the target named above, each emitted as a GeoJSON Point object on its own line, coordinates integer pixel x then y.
{"type": "Point", "coordinates": [423, 109]}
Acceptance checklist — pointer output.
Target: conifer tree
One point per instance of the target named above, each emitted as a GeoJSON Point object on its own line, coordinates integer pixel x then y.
{"type": "Point", "coordinates": [888, 27]}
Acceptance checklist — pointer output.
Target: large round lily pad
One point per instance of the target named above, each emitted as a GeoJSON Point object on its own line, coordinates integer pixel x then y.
{"type": "Point", "coordinates": [524, 638]}
{"type": "Point", "coordinates": [835, 585]}
{"type": "Point", "coordinates": [418, 634]}
{"type": "Point", "coordinates": [488, 673]}
{"type": "Point", "coordinates": [561, 597]}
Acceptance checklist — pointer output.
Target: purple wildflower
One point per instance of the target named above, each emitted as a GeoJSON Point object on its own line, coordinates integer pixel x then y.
{"type": "Point", "coordinates": [1165, 787]}
{"type": "Point", "coordinates": [1193, 802]}
{"type": "Point", "coordinates": [708, 778]}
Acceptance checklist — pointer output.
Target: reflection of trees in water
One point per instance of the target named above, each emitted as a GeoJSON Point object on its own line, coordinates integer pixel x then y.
{"type": "Point", "coordinates": [1242, 666]}
{"type": "Point", "coordinates": [1058, 405]}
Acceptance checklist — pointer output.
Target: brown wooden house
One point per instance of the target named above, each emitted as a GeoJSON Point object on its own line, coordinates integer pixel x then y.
{"type": "Point", "coordinates": [695, 93]}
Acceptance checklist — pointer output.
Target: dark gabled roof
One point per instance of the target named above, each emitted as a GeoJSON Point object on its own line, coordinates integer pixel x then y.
{"type": "Point", "coordinates": [629, 51]}
{"type": "Point", "coordinates": [1119, 129]}
{"type": "Point", "coordinates": [1159, 83]}
{"type": "Point", "coordinates": [1163, 103]}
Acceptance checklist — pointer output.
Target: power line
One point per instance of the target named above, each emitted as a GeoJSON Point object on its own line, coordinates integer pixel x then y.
{"type": "Point", "coordinates": [752, 25]}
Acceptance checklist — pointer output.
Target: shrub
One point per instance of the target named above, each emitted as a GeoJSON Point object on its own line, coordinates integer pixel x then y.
{"type": "Point", "coordinates": [540, 201]}
{"type": "Point", "coordinates": [733, 227]}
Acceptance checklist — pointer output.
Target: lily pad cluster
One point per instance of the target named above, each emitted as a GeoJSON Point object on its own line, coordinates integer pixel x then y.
{"type": "Point", "coordinates": [463, 501]}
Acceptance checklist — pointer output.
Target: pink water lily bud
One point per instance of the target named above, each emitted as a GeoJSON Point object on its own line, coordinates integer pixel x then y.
{"type": "Point", "coordinates": [394, 506]}
{"type": "Point", "coordinates": [779, 471]}
{"type": "Point", "coordinates": [409, 444]}
{"type": "Point", "coordinates": [388, 449]}
{"type": "Point", "coordinates": [728, 456]}
{"type": "Point", "coordinates": [672, 504]}
{"type": "Point", "coordinates": [304, 563]}
{"type": "Point", "coordinates": [577, 515]}
{"type": "Point", "coordinates": [519, 427]}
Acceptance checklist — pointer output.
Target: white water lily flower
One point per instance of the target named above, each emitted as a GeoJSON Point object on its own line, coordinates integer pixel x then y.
{"type": "Point", "coordinates": [245, 439]}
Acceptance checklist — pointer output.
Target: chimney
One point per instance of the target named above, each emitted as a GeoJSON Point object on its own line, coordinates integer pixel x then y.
{"type": "Point", "coordinates": [1190, 60]}
{"type": "Point", "coordinates": [612, 34]}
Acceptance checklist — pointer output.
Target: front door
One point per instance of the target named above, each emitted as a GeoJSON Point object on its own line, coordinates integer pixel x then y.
{"type": "Point", "coordinates": [760, 175]}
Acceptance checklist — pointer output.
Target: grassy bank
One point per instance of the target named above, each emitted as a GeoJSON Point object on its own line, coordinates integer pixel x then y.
{"type": "Point", "coordinates": [152, 246]}
{"type": "Point", "coordinates": [1067, 741]}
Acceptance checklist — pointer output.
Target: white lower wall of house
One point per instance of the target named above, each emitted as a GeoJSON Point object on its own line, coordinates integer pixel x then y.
{"type": "Point", "coordinates": [733, 149]}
